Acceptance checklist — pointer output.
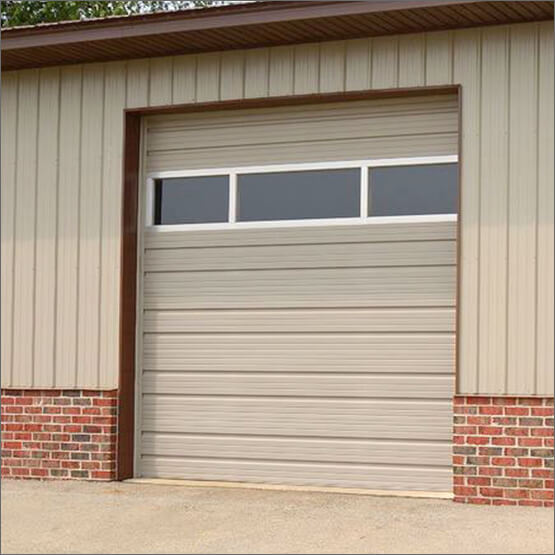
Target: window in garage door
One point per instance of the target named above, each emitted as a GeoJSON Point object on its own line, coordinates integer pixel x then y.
{"type": "Point", "coordinates": [306, 342]}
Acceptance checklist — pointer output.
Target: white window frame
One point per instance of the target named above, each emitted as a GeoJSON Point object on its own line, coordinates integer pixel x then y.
{"type": "Point", "coordinates": [232, 173]}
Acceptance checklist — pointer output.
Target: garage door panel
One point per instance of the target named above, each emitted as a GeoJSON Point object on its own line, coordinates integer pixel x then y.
{"type": "Point", "coordinates": [360, 418]}
{"type": "Point", "coordinates": [334, 287]}
{"type": "Point", "coordinates": [414, 253]}
{"type": "Point", "coordinates": [268, 384]}
{"type": "Point", "coordinates": [389, 477]}
{"type": "Point", "coordinates": [300, 449]}
{"type": "Point", "coordinates": [410, 353]}
{"type": "Point", "coordinates": [391, 128]}
{"type": "Point", "coordinates": [312, 320]}
{"type": "Point", "coordinates": [312, 235]}
{"type": "Point", "coordinates": [307, 131]}
{"type": "Point", "coordinates": [315, 151]}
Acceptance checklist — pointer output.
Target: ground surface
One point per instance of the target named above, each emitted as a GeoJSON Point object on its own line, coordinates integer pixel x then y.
{"type": "Point", "coordinates": [85, 517]}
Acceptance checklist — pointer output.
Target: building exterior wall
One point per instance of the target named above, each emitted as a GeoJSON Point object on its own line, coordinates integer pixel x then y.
{"type": "Point", "coordinates": [56, 433]}
{"type": "Point", "coordinates": [503, 451]}
{"type": "Point", "coordinates": [61, 191]}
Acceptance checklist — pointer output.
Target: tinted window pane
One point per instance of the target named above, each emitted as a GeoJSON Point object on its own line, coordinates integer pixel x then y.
{"type": "Point", "coordinates": [299, 195]}
{"type": "Point", "coordinates": [191, 200]}
{"type": "Point", "coordinates": [412, 190]}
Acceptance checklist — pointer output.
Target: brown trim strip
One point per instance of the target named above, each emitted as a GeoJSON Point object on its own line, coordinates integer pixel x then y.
{"type": "Point", "coordinates": [131, 170]}
{"type": "Point", "coordinates": [128, 296]}
{"type": "Point", "coordinates": [186, 21]}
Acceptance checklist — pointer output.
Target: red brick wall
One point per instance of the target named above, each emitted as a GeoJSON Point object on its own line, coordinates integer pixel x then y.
{"type": "Point", "coordinates": [59, 434]}
{"type": "Point", "coordinates": [503, 450]}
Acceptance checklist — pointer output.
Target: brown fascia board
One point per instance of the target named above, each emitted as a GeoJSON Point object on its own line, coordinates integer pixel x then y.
{"type": "Point", "coordinates": [197, 20]}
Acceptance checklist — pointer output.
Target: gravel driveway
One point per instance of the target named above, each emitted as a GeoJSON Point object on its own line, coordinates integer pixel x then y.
{"type": "Point", "coordinates": [85, 517]}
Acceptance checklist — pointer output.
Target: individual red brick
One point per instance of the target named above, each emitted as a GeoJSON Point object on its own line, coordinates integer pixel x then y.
{"type": "Point", "coordinates": [517, 452]}
{"type": "Point", "coordinates": [478, 481]}
{"type": "Point", "coordinates": [490, 471]}
{"type": "Point", "coordinates": [490, 430]}
{"type": "Point", "coordinates": [529, 401]}
{"type": "Point", "coordinates": [549, 484]}
{"type": "Point", "coordinates": [478, 420]}
{"type": "Point", "coordinates": [548, 442]}
{"type": "Point", "coordinates": [477, 440]}
{"type": "Point", "coordinates": [62, 419]}
{"type": "Point", "coordinates": [504, 502]}
{"type": "Point", "coordinates": [110, 402]}
{"type": "Point", "coordinates": [546, 495]}
{"type": "Point", "coordinates": [517, 472]}
{"type": "Point", "coordinates": [101, 475]}
{"type": "Point", "coordinates": [472, 400]}
{"type": "Point", "coordinates": [527, 483]}
{"type": "Point", "coordinates": [72, 410]}
{"type": "Point", "coordinates": [517, 411]}
{"type": "Point", "coordinates": [465, 491]}
{"type": "Point", "coordinates": [24, 401]}
{"type": "Point", "coordinates": [530, 442]}
{"type": "Point", "coordinates": [517, 431]}
{"type": "Point", "coordinates": [19, 471]}
{"type": "Point", "coordinates": [12, 445]}
{"type": "Point", "coordinates": [465, 410]}
{"type": "Point", "coordinates": [81, 419]}
{"type": "Point", "coordinates": [504, 482]}
{"type": "Point", "coordinates": [491, 410]}
{"type": "Point", "coordinates": [503, 441]}
{"type": "Point", "coordinates": [458, 459]}
{"type": "Point", "coordinates": [504, 400]}
{"type": "Point", "coordinates": [529, 462]}
{"type": "Point", "coordinates": [542, 411]}
{"type": "Point", "coordinates": [541, 432]}
{"type": "Point", "coordinates": [458, 440]}
{"type": "Point", "coordinates": [464, 430]}
{"type": "Point", "coordinates": [517, 493]}
{"type": "Point", "coordinates": [491, 492]}
{"type": "Point", "coordinates": [39, 472]}
{"type": "Point", "coordinates": [479, 500]}
{"type": "Point", "coordinates": [503, 461]}
{"type": "Point", "coordinates": [530, 503]}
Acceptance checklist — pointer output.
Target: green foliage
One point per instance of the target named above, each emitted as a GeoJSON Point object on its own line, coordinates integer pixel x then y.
{"type": "Point", "coordinates": [17, 13]}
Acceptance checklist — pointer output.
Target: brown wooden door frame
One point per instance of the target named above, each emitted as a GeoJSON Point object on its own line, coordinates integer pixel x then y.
{"type": "Point", "coordinates": [129, 239]}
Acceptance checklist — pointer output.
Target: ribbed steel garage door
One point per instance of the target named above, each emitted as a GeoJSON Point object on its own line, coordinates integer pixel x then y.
{"type": "Point", "coordinates": [300, 355]}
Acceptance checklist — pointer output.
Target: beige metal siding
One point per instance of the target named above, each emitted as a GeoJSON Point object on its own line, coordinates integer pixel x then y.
{"type": "Point", "coordinates": [300, 355]}
{"type": "Point", "coordinates": [488, 326]}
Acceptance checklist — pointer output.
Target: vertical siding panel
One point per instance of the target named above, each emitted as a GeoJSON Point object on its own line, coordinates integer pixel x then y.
{"type": "Point", "coordinates": [358, 65]}
{"type": "Point", "coordinates": [493, 212]}
{"type": "Point", "coordinates": [68, 225]}
{"type": "Point", "coordinates": [208, 77]}
{"type": "Point", "coordinates": [307, 62]}
{"type": "Point", "coordinates": [184, 79]}
{"type": "Point", "coordinates": [257, 73]}
{"type": "Point", "coordinates": [7, 221]}
{"type": "Point", "coordinates": [47, 189]}
{"type": "Point", "coordinates": [25, 214]}
{"type": "Point", "coordinates": [521, 272]}
{"type": "Point", "coordinates": [466, 71]}
{"type": "Point", "coordinates": [438, 58]}
{"type": "Point", "coordinates": [114, 95]}
{"type": "Point", "coordinates": [138, 76]}
{"type": "Point", "coordinates": [282, 62]}
{"type": "Point", "coordinates": [232, 83]}
{"type": "Point", "coordinates": [546, 201]}
{"type": "Point", "coordinates": [90, 203]}
{"type": "Point", "coordinates": [161, 77]}
{"type": "Point", "coordinates": [332, 66]}
{"type": "Point", "coordinates": [412, 61]}
{"type": "Point", "coordinates": [385, 62]}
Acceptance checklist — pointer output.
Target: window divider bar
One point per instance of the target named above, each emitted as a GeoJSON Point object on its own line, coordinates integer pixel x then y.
{"type": "Point", "coordinates": [363, 191]}
{"type": "Point", "coordinates": [232, 197]}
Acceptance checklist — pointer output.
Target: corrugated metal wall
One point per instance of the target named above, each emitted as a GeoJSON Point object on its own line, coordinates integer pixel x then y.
{"type": "Point", "coordinates": [60, 277]}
